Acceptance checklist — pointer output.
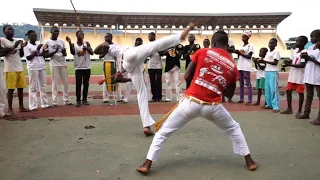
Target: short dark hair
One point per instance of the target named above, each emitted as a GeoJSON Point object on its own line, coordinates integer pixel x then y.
{"type": "Point", "coordinates": [206, 40]}
{"type": "Point", "coordinates": [29, 32]}
{"type": "Point", "coordinates": [274, 39]}
{"type": "Point", "coordinates": [304, 39]}
{"type": "Point", "coordinates": [152, 33]}
{"type": "Point", "coordinates": [109, 34]}
{"type": "Point", "coordinates": [264, 49]}
{"type": "Point", "coordinates": [5, 27]}
{"type": "Point", "coordinates": [78, 32]}
{"type": "Point", "coordinates": [220, 37]}
{"type": "Point", "coordinates": [138, 39]}
{"type": "Point", "coordinates": [53, 27]}
{"type": "Point", "coordinates": [316, 32]}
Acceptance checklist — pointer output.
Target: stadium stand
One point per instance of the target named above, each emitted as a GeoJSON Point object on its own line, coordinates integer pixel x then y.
{"type": "Point", "coordinates": [127, 26]}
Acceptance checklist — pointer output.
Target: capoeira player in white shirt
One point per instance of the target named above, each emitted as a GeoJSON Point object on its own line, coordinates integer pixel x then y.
{"type": "Point", "coordinates": [132, 60]}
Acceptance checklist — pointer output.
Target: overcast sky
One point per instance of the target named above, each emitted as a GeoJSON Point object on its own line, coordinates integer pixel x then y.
{"type": "Point", "coordinates": [304, 18]}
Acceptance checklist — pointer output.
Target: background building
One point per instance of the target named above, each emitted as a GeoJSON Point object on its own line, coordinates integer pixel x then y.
{"type": "Point", "coordinates": [126, 27]}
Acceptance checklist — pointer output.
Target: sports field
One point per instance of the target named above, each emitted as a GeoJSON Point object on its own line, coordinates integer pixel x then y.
{"type": "Point", "coordinates": [96, 67]}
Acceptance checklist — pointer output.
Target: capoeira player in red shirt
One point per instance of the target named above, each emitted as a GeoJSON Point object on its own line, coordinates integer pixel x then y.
{"type": "Point", "coordinates": [212, 72]}
{"type": "Point", "coordinates": [132, 59]}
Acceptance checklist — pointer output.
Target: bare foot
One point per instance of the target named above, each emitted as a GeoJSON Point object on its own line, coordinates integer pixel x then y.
{"type": "Point", "coordinates": [276, 111]}
{"type": "Point", "coordinates": [298, 114]}
{"type": "Point", "coordinates": [147, 131]}
{"type": "Point", "coordinates": [303, 116]}
{"type": "Point", "coordinates": [288, 111]}
{"type": "Point", "coordinates": [265, 107]}
{"type": "Point", "coordinates": [251, 165]}
{"type": "Point", "coordinates": [144, 169]}
{"type": "Point", "coordinates": [256, 104]}
{"type": "Point", "coordinates": [11, 113]}
{"type": "Point", "coordinates": [230, 101]}
{"type": "Point", "coordinates": [316, 122]}
{"type": "Point", "coordinates": [22, 109]}
{"type": "Point", "coordinates": [240, 102]}
{"type": "Point", "coordinates": [248, 104]}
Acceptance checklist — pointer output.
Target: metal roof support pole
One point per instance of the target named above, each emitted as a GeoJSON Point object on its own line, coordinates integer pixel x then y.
{"type": "Point", "coordinates": [60, 29]}
{"type": "Point", "coordinates": [42, 33]}
{"type": "Point", "coordinates": [140, 31]}
{"type": "Point", "coordinates": [94, 32]}
{"type": "Point", "coordinates": [170, 30]}
{"type": "Point", "coordinates": [275, 32]}
{"type": "Point", "coordinates": [156, 31]}
{"type": "Point", "coordinates": [125, 32]}
{"type": "Point", "coordinates": [110, 30]}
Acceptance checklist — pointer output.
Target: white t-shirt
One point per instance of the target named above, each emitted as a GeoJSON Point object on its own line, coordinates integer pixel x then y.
{"type": "Point", "coordinates": [155, 61]}
{"type": "Point", "coordinates": [245, 64]}
{"type": "Point", "coordinates": [38, 62]}
{"type": "Point", "coordinates": [57, 59]}
{"type": "Point", "coordinates": [296, 75]}
{"type": "Point", "coordinates": [12, 61]}
{"type": "Point", "coordinates": [312, 71]}
{"type": "Point", "coordinates": [81, 59]}
{"type": "Point", "coordinates": [260, 73]}
{"type": "Point", "coordinates": [270, 57]}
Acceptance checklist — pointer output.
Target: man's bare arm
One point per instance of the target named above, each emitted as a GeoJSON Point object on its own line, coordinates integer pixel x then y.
{"type": "Point", "coordinates": [188, 75]}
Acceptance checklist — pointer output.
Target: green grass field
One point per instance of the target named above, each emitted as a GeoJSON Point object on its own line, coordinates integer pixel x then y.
{"type": "Point", "coordinates": [97, 67]}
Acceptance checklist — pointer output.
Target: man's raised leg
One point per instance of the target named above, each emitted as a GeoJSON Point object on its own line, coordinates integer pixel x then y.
{"type": "Point", "coordinates": [138, 55]}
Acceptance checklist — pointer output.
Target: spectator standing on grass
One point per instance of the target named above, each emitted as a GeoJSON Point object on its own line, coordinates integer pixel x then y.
{"type": "Point", "coordinates": [81, 51]}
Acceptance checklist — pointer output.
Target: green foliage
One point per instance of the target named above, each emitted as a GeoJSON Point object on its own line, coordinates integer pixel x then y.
{"type": "Point", "coordinates": [21, 29]}
{"type": "Point", "coordinates": [291, 45]}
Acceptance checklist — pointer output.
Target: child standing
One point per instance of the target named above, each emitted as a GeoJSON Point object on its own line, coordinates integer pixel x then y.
{"type": "Point", "coordinates": [245, 67]}
{"type": "Point", "coordinates": [12, 50]}
{"type": "Point", "coordinates": [260, 75]}
{"type": "Point", "coordinates": [296, 74]}
{"type": "Point", "coordinates": [312, 75]}
{"type": "Point", "coordinates": [272, 77]}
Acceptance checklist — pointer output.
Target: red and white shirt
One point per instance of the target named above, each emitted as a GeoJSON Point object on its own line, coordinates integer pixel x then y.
{"type": "Point", "coordinates": [215, 69]}
{"type": "Point", "coordinates": [296, 74]}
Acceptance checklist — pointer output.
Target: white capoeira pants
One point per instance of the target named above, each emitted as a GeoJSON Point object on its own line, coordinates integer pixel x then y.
{"type": "Point", "coordinates": [2, 93]}
{"type": "Point", "coordinates": [173, 77]}
{"type": "Point", "coordinates": [59, 72]}
{"type": "Point", "coordinates": [133, 59]}
{"type": "Point", "coordinates": [129, 87]}
{"type": "Point", "coordinates": [188, 110]}
{"type": "Point", "coordinates": [37, 81]}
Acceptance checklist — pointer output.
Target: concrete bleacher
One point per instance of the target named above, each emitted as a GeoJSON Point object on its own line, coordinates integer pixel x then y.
{"type": "Point", "coordinates": [258, 40]}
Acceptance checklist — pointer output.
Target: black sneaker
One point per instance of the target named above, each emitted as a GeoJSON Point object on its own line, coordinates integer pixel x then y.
{"type": "Point", "coordinates": [78, 104]}
{"type": "Point", "coordinates": [85, 103]}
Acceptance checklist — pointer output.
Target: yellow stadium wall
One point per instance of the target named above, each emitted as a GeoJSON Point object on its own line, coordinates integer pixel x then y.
{"type": "Point", "coordinates": [257, 40]}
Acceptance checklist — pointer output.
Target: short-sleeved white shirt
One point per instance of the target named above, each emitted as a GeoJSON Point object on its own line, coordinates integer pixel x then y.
{"type": "Point", "coordinates": [270, 57]}
{"type": "Point", "coordinates": [38, 62]}
{"type": "Point", "coordinates": [245, 64]}
{"type": "Point", "coordinates": [12, 61]}
{"type": "Point", "coordinates": [57, 59]}
{"type": "Point", "coordinates": [312, 71]}
{"type": "Point", "coordinates": [296, 75]}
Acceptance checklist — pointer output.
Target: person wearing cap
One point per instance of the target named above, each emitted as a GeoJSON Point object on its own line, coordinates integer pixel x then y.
{"type": "Point", "coordinates": [245, 66]}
